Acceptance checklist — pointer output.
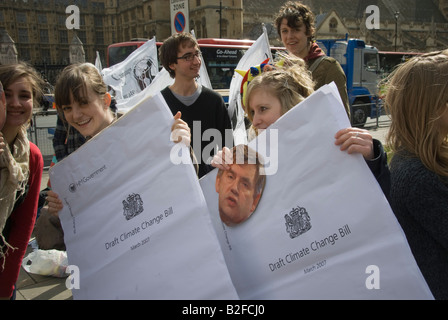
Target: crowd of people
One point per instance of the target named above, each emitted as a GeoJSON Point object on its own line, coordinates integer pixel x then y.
{"type": "Point", "coordinates": [415, 183]}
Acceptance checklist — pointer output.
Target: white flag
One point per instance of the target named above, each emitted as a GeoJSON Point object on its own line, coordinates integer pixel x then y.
{"type": "Point", "coordinates": [256, 54]}
{"type": "Point", "coordinates": [160, 82]}
{"type": "Point", "coordinates": [131, 76]}
{"type": "Point", "coordinates": [203, 79]}
{"type": "Point", "coordinates": [98, 64]}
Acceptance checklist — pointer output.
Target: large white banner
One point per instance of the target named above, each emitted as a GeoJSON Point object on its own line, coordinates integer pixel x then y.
{"type": "Point", "coordinates": [323, 228]}
{"type": "Point", "coordinates": [255, 55]}
{"type": "Point", "coordinates": [135, 224]}
{"type": "Point", "coordinates": [131, 76]}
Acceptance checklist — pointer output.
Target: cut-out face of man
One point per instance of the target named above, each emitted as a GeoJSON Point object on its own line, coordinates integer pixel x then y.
{"type": "Point", "coordinates": [240, 189]}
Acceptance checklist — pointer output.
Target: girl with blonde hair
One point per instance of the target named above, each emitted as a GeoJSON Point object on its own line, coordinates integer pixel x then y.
{"type": "Point", "coordinates": [273, 93]}
{"type": "Point", "coordinates": [417, 101]}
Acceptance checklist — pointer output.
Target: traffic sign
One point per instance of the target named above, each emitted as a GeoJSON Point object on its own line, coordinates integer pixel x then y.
{"type": "Point", "coordinates": [179, 16]}
{"type": "Point", "coordinates": [179, 22]}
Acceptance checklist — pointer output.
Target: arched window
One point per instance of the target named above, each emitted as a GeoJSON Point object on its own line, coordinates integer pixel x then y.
{"type": "Point", "coordinates": [204, 28]}
{"type": "Point", "coordinates": [198, 29]}
{"type": "Point", "coordinates": [333, 25]}
{"type": "Point", "coordinates": [149, 13]}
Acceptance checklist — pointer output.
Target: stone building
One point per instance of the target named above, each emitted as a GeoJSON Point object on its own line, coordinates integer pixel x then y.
{"type": "Point", "coordinates": [42, 33]}
{"type": "Point", "coordinates": [422, 25]}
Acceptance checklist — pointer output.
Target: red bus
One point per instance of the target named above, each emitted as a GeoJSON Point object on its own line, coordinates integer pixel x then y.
{"type": "Point", "coordinates": [220, 55]}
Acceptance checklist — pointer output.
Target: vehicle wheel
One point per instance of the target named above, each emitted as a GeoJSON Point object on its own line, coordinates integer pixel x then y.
{"type": "Point", "coordinates": [359, 114]}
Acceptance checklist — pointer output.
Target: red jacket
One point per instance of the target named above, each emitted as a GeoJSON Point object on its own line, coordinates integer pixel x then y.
{"type": "Point", "coordinates": [22, 223]}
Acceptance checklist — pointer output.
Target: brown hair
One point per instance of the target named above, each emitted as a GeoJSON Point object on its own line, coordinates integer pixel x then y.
{"type": "Point", "coordinates": [11, 73]}
{"type": "Point", "coordinates": [76, 79]}
{"type": "Point", "coordinates": [416, 98]}
{"type": "Point", "coordinates": [242, 154]}
{"type": "Point", "coordinates": [296, 14]}
{"type": "Point", "coordinates": [169, 50]}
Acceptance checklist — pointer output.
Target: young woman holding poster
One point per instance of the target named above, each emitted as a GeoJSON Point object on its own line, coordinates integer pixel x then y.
{"type": "Point", "coordinates": [81, 95]}
{"type": "Point", "coordinates": [21, 166]}
{"type": "Point", "coordinates": [273, 93]}
{"type": "Point", "coordinates": [417, 100]}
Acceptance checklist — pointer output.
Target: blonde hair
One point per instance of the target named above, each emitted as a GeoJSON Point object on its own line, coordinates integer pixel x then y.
{"type": "Point", "coordinates": [290, 84]}
{"type": "Point", "coordinates": [416, 98]}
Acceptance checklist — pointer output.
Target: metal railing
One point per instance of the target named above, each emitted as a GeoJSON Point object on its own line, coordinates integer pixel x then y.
{"type": "Point", "coordinates": [374, 112]}
{"type": "Point", "coordinates": [41, 132]}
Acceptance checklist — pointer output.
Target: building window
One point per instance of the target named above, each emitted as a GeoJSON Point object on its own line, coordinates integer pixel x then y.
{"type": "Point", "coordinates": [82, 36]}
{"type": "Point", "coordinates": [61, 20]}
{"type": "Point", "coordinates": [99, 38]}
{"type": "Point", "coordinates": [63, 37]}
{"type": "Point", "coordinates": [24, 54]}
{"type": "Point", "coordinates": [198, 3]}
{"type": "Point", "coordinates": [64, 56]}
{"type": "Point", "coordinates": [333, 25]}
{"type": "Point", "coordinates": [23, 35]}
{"type": "Point", "coordinates": [98, 21]}
{"type": "Point", "coordinates": [42, 19]}
{"type": "Point", "coordinates": [43, 35]}
{"type": "Point", "coordinates": [21, 17]}
{"type": "Point", "coordinates": [149, 12]}
{"type": "Point", "coordinates": [46, 56]}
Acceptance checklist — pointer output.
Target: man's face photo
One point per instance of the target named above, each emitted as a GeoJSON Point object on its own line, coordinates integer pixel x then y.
{"type": "Point", "coordinates": [238, 197]}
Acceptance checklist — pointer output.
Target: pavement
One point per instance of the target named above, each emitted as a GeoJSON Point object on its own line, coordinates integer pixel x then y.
{"type": "Point", "coordinates": [37, 287]}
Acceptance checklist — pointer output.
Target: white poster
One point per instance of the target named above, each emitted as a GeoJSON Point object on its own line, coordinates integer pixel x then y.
{"type": "Point", "coordinates": [136, 225]}
{"type": "Point", "coordinates": [131, 76]}
{"type": "Point", "coordinates": [323, 228]}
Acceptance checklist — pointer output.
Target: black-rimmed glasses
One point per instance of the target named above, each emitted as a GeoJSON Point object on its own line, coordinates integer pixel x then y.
{"type": "Point", "coordinates": [190, 56]}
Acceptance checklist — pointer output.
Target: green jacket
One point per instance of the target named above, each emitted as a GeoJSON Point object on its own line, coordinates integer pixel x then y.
{"type": "Point", "coordinates": [327, 71]}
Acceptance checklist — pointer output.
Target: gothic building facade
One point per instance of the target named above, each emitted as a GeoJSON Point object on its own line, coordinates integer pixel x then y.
{"type": "Point", "coordinates": [42, 31]}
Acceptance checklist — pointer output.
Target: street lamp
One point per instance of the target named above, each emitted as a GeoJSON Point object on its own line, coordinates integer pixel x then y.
{"type": "Point", "coordinates": [220, 18]}
{"type": "Point", "coordinates": [396, 15]}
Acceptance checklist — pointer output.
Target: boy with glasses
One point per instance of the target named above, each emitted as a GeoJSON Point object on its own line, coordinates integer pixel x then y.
{"type": "Point", "coordinates": [202, 108]}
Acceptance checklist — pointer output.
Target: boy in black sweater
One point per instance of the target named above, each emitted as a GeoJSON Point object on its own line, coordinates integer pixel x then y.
{"type": "Point", "coordinates": [202, 108]}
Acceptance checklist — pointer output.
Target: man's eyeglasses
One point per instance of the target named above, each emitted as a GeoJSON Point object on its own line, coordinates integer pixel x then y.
{"type": "Point", "coordinates": [190, 56]}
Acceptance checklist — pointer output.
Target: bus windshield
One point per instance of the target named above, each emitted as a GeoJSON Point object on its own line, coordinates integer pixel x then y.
{"type": "Point", "coordinates": [117, 54]}
{"type": "Point", "coordinates": [221, 63]}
